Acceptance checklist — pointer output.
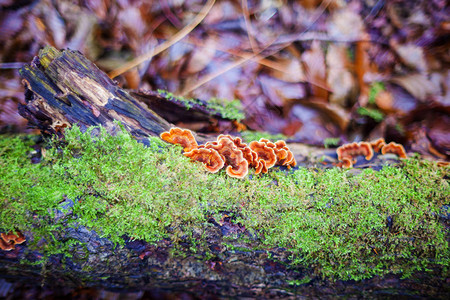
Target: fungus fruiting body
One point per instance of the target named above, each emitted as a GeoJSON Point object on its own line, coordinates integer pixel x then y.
{"type": "Point", "coordinates": [355, 149]}
{"type": "Point", "coordinates": [237, 166]}
{"type": "Point", "coordinates": [284, 156]}
{"type": "Point", "coordinates": [347, 153]}
{"type": "Point", "coordinates": [211, 159]}
{"type": "Point", "coordinates": [183, 137]}
{"type": "Point", "coordinates": [238, 169]}
{"type": "Point", "coordinates": [264, 152]}
{"type": "Point", "coordinates": [346, 163]}
{"type": "Point", "coordinates": [232, 153]}
{"type": "Point", "coordinates": [9, 241]}
{"type": "Point", "coordinates": [394, 148]}
{"type": "Point", "coordinates": [377, 144]}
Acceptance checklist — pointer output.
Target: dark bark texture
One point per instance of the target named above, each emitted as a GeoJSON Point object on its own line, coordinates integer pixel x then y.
{"type": "Point", "coordinates": [64, 88]}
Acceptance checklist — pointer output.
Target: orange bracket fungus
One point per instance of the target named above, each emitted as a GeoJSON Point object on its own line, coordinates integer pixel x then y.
{"type": "Point", "coordinates": [265, 153]}
{"type": "Point", "coordinates": [210, 158]}
{"type": "Point", "coordinates": [10, 240]}
{"type": "Point", "coordinates": [285, 157]}
{"type": "Point", "coordinates": [395, 149]}
{"type": "Point", "coordinates": [249, 155]}
{"type": "Point", "coordinates": [183, 137]}
{"type": "Point", "coordinates": [237, 166]}
{"type": "Point", "coordinates": [232, 152]}
{"type": "Point", "coordinates": [346, 163]}
{"type": "Point", "coordinates": [355, 149]}
{"type": "Point", "coordinates": [377, 144]}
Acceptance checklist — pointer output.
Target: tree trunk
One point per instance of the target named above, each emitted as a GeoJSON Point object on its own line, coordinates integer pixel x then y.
{"type": "Point", "coordinates": [64, 88]}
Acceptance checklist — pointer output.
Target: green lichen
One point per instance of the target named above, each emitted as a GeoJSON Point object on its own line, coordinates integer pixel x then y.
{"type": "Point", "coordinates": [330, 220]}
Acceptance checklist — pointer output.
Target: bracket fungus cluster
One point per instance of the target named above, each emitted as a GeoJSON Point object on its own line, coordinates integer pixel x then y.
{"type": "Point", "coordinates": [347, 153]}
{"type": "Point", "coordinates": [9, 241]}
{"type": "Point", "coordinates": [183, 137]}
{"type": "Point", "coordinates": [232, 152]}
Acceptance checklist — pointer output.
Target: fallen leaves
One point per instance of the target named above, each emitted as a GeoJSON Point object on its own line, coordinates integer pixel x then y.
{"type": "Point", "coordinates": [305, 68]}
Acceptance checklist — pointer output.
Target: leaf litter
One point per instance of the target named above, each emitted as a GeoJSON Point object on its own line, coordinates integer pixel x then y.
{"type": "Point", "coordinates": [305, 68]}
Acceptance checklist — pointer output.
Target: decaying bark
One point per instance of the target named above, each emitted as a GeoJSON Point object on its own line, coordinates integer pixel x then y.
{"type": "Point", "coordinates": [64, 88]}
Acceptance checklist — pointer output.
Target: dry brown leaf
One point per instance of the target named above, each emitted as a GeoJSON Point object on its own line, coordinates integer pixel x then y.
{"type": "Point", "coordinates": [333, 112]}
{"type": "Point", "coordinates": [412, 56]}
{"type": "Point", "coordinates": [315, 70]}
{"type": "Point", "coordinates": [339, 79]}
{"type": "Point", "coordinates": [280, 92]}
{"type": "Point", "coordinates": [384, 100]}
{"type": "Point", "coordinates": [201, 56]}
{"type": "Point", "coordinates": [363, 67]}
{"type": "Point", "coordinates": [345, 25]}
{"type": "Point", "coordinates": [311, 122]}
{"type": "Point", "coordinates": [290, 70]}
{"type": "Point", "coordinates": [417, 85]}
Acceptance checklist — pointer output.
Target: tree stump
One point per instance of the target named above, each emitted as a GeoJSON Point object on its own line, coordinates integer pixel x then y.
{"type": "Point", "coordinates": [63, 88]}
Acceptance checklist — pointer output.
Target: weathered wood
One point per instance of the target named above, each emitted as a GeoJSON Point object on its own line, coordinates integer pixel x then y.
{"type": "Point", "coordinates": [64, 88]}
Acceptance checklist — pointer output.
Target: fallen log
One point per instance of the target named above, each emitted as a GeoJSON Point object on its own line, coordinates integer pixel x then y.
{"type": "Point", "coordinates": [63, 88]}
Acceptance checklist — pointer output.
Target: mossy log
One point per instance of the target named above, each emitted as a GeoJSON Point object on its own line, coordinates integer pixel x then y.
{"type": "Point", "coordinates": [63, 88]}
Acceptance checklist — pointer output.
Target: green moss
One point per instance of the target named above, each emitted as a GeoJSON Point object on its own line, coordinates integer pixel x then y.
{"type": "Point", "coordinates": [249, 136]}
{"type": "Point", "coordinates": [231, 110]}
{"type": "Point", "coordinates": [302, 281]}
{"type": "Point", "coordinates": [375, 88]}
{"type": "Point", "coordinates": [331, 142]}
{"type": "Point", "coordinates": [329, 219]}
{"type": "Point", "coordinates": [228, 109]}
{"type": "Point", "coordinates": [373, 113]}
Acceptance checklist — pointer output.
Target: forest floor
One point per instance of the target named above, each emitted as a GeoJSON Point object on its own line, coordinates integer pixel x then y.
{"type": "Point", "coordinates": [317, 73]}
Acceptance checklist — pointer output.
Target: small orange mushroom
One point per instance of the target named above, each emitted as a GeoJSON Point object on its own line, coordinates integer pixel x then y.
{"type": "Point", "coordinates": [250, 156]}
{"type": "Point", "coordinates": [239, 169]}
{"type": "Point", "coordinates": [346, 163]}
{"type": "Point", "coordinates": [183, 137]}
{"type": "Point", "coordinates": [394, 148]}
{"type": "Point", "coordinates": [237, 165]}
{"type": "Point", "coordinates": [268, 143]}
{"type": "Point", "coordinates": [261, 167]}
{"type": "Point", "coordinates": [264, 152]}
{"type": "Point", "coordinates": [285, 157]}
{"type": "Point", "coordinates": [6, 246]}
{"type": "Point", "coordinates": [10, 240]}
{"type": "Point", "coordinates": [377, 144]}
{"type": "Point", "coordinates": [232, 152]}
{"type": "Point", "coordinates": [354, 149]}
{"type": "Point", "coordinates": [211, 159]}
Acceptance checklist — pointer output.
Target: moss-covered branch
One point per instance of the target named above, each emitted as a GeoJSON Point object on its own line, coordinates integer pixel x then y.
{"type": "Point", "coordinates": [65, 88]}
{"type": "Point", "coordinates": [346, 226]}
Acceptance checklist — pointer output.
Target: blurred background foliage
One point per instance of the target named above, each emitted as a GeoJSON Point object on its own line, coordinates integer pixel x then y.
{"type": "Point", "coordinates": [311, 70]}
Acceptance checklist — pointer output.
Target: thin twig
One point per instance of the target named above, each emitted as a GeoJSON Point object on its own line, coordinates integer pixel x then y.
{"type": "Point", "coordinates": [158, 49]}
{"type": "Point", "coordinates": [248, 25]}
{"type": "Point", "coordinates": [243, 60]}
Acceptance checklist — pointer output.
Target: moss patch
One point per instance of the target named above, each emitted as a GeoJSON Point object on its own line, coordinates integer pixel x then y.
{"type": "Point", "coordinates": [231, 110]}
{"type": "Point", "coordinates": [249, 136]}
{"type": "Point", "coordinates": [345, 226]}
